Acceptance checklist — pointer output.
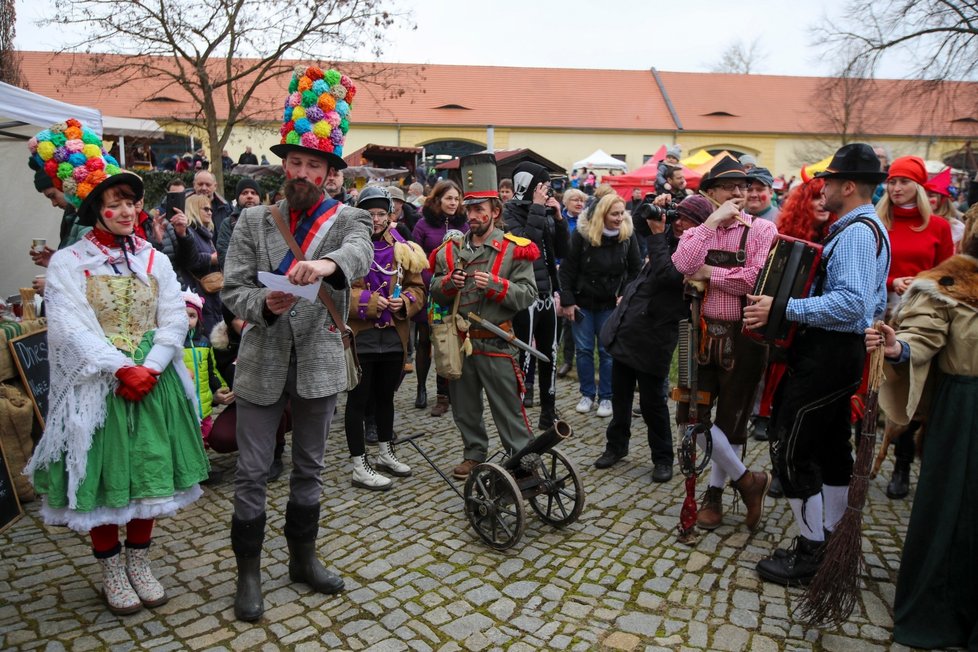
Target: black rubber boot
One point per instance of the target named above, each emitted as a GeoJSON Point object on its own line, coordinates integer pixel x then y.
{"type": "Point", "coordinates": [301, 528]}
{"type": "Point", "coordinates": [246, 540]}
{"type": "Point", "coordinates": [548, 413]}
{"type": "Point", "coordinates": [797, 567]}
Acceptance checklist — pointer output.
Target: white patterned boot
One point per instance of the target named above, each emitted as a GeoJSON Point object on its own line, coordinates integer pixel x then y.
{"type": "Point", "coordinates": [147, 587]}
{"type": "Point", "coordinates": [387, 461]}
{"type": "Point", "coordinates": [365, 477]}
{"type": "Point", "coordinates": [116, 588]}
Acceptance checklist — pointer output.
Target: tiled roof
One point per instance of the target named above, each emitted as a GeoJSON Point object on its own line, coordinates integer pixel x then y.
{"type": "Point", "coordinates": [562, 99]}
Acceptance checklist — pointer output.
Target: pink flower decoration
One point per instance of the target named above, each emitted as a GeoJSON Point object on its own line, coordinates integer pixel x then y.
{"type": "Point", "coordinates": [310, 140]}
{"type": "Point", "coordinates": [75, 145]}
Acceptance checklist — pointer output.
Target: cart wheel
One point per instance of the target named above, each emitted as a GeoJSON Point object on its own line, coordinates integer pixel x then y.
{"type": "Point", "coordinates": [562, 502]}
{"type": "Point", "coordinates": [494, 506]}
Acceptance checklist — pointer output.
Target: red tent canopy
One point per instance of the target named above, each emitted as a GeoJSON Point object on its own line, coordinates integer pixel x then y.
{"type": "Point", "coordinates": [643, 178]}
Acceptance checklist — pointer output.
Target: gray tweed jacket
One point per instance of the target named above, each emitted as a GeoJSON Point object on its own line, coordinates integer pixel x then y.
{"type": "Point", "coordinates": [306, 331]}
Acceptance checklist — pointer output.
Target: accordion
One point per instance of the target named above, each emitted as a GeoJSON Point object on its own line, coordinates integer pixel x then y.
{"type": "Point", "coordinates": [788, 274]}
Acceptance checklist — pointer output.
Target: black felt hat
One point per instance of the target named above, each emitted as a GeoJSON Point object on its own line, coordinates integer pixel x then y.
{"type": "Point", "coordinates": [856, 161]}
{"type": "Point", "coordinates": [726, 169]}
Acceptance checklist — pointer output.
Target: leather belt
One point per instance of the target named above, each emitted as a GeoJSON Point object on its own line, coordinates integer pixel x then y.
{"type": "Point", "coordinates": [483, 334]}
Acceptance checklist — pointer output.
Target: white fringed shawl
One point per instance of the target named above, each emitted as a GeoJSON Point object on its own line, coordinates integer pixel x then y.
{"type": "Point", "coordinates": [83, 363]}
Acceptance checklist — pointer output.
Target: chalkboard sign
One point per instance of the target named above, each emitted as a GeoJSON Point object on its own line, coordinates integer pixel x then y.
{"type": "Point", "coordinates": [10, 509]}
{"type": "Point", "coordinates": [30, 353]}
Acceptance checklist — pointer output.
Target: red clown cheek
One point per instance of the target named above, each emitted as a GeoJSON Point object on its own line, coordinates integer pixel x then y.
{"type": "Point", "coordinates": [288, 175]}
{"type": "Point", "coordinates": [319, 180]}
{"type": "Point", "coordinates": [109, 214]}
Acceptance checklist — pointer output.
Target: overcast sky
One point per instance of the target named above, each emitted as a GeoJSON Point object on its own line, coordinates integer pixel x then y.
{"type": "Point", "coordinates": [620, 34]}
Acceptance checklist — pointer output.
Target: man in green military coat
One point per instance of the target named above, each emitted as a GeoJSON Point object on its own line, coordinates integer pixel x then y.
{"type": "Point", "coordinates": [493, 271]}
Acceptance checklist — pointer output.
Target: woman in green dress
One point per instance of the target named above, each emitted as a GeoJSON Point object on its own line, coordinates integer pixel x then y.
{"type": "Point", "coordinates": [122, 444]}
{"type": "Point", "coordinates": [933, 356]}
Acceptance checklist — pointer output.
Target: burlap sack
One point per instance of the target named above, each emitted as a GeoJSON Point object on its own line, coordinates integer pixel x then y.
{"type": "Point", "coordinates": [16, 420]}
{"type": "Point", "coordinates": [10, 330]}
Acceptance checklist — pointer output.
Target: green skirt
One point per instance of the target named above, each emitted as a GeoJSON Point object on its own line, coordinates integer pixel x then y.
{"type": "Point", "coordinates": [936, 602]}
{"type": "Point", "coordinates": [145, 462]}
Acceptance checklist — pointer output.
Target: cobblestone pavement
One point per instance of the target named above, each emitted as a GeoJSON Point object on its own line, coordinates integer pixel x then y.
{"type": "Point", "coordinates": [418, 578]}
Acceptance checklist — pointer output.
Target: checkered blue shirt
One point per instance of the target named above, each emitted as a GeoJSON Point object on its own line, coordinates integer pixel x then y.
{"type": "Point", "coordinates": [854, 291]}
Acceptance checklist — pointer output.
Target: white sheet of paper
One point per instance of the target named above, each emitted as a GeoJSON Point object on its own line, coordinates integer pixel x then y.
{"type": "Point", "coordinates": [283, 284]}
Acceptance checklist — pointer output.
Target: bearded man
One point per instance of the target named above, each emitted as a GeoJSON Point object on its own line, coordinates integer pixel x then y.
{"type": "Point", "coordinates": [291, 350]}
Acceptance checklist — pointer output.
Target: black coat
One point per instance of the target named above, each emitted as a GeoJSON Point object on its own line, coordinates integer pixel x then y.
{"type": "Point", "coordinates": [594, 276]}
{"type": "Point", "coordinates": [643, 330]}
{"type": "Point", "coordinates": [551, 236]}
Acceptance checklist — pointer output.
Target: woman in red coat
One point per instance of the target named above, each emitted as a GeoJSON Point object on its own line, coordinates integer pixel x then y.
{"type": "Point", "coordinates": [917, 243]}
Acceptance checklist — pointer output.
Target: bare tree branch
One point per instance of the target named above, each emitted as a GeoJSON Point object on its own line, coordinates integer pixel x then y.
{"type": "Point", "coordinates": [741, 58]}
{"type": "Point", "coordinates": [217, 52]}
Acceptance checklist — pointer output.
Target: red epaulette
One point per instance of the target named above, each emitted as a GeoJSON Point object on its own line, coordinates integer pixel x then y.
{"type": "Point", "coordinates": [525, 249]}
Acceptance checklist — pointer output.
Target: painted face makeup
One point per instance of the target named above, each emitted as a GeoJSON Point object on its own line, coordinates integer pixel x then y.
{"type": "Point", "coordinates": [109, 214]}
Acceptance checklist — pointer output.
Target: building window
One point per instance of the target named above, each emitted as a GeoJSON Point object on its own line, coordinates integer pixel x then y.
{"type": "Point", "coordinates": [646, 157]}
{"type": "Point", "coordinates": [620, 157]}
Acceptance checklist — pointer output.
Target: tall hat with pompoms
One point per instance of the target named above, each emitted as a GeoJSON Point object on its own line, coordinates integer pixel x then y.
{"type": "Point", "coordinates": [316, 117]}
{"type": "Point", "coordinates": [73, 158]}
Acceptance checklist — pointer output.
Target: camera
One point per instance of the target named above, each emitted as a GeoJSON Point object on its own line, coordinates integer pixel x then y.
{"type": "Point", "coordinates": [558, 183]}
{"type": "Point", "coordinates": [649, 211]}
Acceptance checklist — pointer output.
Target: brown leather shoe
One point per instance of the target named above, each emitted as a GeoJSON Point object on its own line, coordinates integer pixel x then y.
{"type": "Point", "coordinates": [710, 515]}
{"type": "Point", "coordinates": [462, 471]}
{"type": "Point", "coordinates": [753, 486]}
{"type": "Point", "coordinates": [440, 407]}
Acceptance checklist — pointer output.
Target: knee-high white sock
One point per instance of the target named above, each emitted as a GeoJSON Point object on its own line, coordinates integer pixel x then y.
{"type": "Point", "coordinates": [808, 516]}
{"type": "Point", "coordinates": [725, 455]}
{"type": "Point", "coordinates": [836, 500]}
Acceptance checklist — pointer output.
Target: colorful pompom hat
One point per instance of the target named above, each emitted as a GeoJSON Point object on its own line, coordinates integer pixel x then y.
{"type": "Point", "coordinates": [316, 117]}
{"type": "Point", "coordinates": [74, 159]}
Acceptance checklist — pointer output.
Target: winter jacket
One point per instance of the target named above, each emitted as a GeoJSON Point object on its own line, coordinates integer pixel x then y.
{"type": "Point", "coordinates": [549, 235]}
{"type": "Point", "coordinates": [430, 230]}
{"type": "Point", "coordinates": [594, 276]}
{"type": "Point", "coordinates": [224, 235]}
{"type": "Point", "coordinates": [643, 330]}
{"type": "Point", "coordinates": [199, 358]}
{"type": "Point", "coordinates": [194, 255]}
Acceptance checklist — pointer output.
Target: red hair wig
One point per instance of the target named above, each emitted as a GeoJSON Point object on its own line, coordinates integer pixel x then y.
{"type": "Point", "coordinates": [797, 218]}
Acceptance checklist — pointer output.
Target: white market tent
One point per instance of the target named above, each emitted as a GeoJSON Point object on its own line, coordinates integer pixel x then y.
{"type": "Point", "coordinates": [26, 214]}
{"type": "Point", "coordinates": [601, 160]}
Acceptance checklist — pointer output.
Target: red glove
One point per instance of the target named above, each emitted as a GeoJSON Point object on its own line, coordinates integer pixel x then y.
{"type": "Point", "coordinates": [135, 382]}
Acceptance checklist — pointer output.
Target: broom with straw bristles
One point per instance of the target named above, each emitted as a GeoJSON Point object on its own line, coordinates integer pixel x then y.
{"type": "Point", "coordinates": [831, 596]}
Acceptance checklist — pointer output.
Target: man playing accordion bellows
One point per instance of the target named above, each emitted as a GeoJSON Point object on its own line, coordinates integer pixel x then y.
{"type": "Point", "coordinates": [810, 423]}
{"type": "Point", "coordinates": [727, 251]}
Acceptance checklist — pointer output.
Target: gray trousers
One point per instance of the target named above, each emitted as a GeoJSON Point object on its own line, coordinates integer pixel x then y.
{"type": "Point", "coordinates": [257, 425]}
{"type": "Point", "coordinates": [496, 376]}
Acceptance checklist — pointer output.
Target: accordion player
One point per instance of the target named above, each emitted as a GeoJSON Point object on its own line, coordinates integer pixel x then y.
{"type": "Point", "coordinates": [789, 272]}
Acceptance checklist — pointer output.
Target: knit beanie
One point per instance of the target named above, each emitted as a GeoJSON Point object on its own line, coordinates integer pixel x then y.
{"type": "Point", "coordinates": [696, 208]}
{"type": "Point", "coordinates": [195, 301]}
{"type": "Point", "coordinates": [909, 167]}
{"type": "Point", "coordinates": [244, 184]}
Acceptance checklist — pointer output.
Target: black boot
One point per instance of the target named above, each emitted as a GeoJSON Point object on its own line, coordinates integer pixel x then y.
{"type": "Point", "coordinates": [759, 426]}
{"type": "Point", "coordinates": [421, 400]}
{"type": "Point", "coordinates": [776, 490]}
{"type": "Point", "coordinates": [370, 430]}
{"type": "Point", "coordinates": [246, 540]}
{"type": "Point", "coordinates": [301, 528]}
{"type": "Point", "coordinates": [899, 485]}
{"type": "Point", "coordinates": [796, 567]}
{"type": "Point", "coordinates": [548, 413]}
